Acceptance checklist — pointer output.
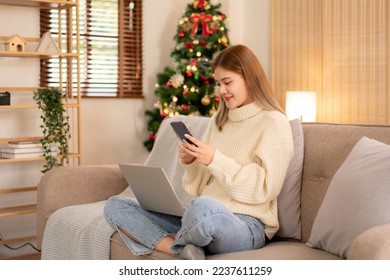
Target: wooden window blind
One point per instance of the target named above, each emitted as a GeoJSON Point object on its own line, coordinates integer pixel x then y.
{"type": "Point", "coordinates": [110, 48]}
{"type": "Point", "coordinates": [341, 50]}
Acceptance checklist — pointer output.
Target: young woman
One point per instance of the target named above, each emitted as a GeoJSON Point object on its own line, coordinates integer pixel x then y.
{"type": "Point", "coordinates": [235, 174]}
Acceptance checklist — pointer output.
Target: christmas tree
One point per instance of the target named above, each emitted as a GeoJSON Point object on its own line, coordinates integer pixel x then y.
{"type": "Point", "coordinates": [187, 88]}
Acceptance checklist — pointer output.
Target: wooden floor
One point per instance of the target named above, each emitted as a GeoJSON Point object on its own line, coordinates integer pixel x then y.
{"type": "Point", "coordinates": [34, 256]}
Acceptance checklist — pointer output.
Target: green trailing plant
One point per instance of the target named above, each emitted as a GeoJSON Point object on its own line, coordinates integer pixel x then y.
{"type": "Point", "coordinates": [55, 126]}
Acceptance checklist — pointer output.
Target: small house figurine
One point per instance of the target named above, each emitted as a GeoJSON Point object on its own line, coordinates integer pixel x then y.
{"type": "Point", "coordinates": [15, 43]}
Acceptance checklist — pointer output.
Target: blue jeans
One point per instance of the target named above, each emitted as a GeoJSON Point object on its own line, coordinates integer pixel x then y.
{"type": "Point", "coordinates": [205, 223]}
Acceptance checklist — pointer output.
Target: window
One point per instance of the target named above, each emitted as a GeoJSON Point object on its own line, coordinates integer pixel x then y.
{"type": "Point", "coordinates": [110, 48]}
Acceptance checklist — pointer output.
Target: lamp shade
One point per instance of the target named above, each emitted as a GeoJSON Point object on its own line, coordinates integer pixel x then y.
{"type": "Point", "coordinates": [302, 105]}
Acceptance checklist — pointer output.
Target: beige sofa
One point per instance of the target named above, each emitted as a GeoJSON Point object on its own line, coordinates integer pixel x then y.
{"type": "Point", "coordinates": [326, 146]}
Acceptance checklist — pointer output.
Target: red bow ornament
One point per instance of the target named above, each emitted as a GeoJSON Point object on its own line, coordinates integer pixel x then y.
{"type": "Point", "coordinates": [202, 19]}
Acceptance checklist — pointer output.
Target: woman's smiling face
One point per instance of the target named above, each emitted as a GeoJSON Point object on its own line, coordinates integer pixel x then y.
{"type": "Point", "coordinates": [231, 88]}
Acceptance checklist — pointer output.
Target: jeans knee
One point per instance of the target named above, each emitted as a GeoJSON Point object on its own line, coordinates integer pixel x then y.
{"type": "Point", "coordinates": [202, 208]}
{"type": "Point", "coordinates": [114, 205]}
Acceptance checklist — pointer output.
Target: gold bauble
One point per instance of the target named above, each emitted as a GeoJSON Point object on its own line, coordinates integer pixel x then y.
{"type": "Point", "coordinates": [212, 111]}
{"type": "Point", "coordinates": [205, 100]}
{"type": "Point", "coordinates": [224, 39]}
{"type": "Point", "coordinates": [187, 26]}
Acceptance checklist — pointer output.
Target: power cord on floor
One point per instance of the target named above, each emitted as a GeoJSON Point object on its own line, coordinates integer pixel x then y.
{"type": "Point", "coordinates": [21, 246]}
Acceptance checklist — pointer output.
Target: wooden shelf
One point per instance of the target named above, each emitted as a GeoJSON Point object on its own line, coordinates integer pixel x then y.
{"type": "Point", "coordinates": [42, 4]}
{"type": "Point", "coordinates": [20, 139]}
{"type": "Point", "coordinates": [17, 190]}
{"type": "Point", "coordinates": [64, 8]}
{"type": "Point", "coordinates": [36, 54]}
{"type": "Point", "coordinates": [18, 106]}
{"type": "Point", "coordinates": [19, 89]}
{"type": "Point", "coordinates": [18, 210]}
{"type": "Point", "coordinates": [32, 256]}
{"type": "Point", "coordinates": [4, 160]}
{"type": "Point", "coordinates": [34, 106]}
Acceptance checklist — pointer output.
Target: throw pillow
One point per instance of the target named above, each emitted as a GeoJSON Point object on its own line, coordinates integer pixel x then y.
{"type": "Point", "coordinates": [289, 199]}
{"type": "Point", "coordinates": [357, 198]}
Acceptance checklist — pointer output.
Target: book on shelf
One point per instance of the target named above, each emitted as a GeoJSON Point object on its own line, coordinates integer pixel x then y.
{"type": "Point", "coordinates": [24, 144]}
{"type": "Point", "coordinates": [27, 155]}
{"type": "Point", "coordinates": [10, 150]}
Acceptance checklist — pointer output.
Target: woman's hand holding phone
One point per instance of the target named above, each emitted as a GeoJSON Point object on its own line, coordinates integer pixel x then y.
{"type": "Point", "coordinates": [202, 152]}
{"type": "Point", "coordinates": [191, 148]}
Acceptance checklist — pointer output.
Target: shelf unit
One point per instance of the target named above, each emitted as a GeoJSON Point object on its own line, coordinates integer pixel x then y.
{"type": "Point", "coordinates": [69, 50]}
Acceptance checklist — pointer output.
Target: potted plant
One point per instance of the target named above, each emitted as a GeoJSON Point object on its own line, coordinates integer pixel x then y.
{"type": "Point", "coordinates": [55, 126]}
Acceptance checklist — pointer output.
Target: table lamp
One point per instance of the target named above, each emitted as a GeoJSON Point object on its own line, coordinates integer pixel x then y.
{"type": "Point", "coordinates": [302, 105]}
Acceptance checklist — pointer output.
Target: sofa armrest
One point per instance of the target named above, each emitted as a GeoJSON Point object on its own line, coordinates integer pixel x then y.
{"type": "Point", "coordinates": [66, 186]}
{"type": "Point", "coordinates": [373, 244]}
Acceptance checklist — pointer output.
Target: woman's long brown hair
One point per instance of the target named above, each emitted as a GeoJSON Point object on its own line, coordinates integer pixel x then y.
{"type": "Point", "coordinates": [241, 60]}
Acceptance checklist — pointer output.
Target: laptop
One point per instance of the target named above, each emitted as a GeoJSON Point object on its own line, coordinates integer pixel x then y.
{"type": "Point", "coordinates": [152, 189]}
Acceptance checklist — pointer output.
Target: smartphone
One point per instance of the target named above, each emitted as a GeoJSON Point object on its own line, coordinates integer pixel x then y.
{"type": "Point", "coordinates": [181, 130]}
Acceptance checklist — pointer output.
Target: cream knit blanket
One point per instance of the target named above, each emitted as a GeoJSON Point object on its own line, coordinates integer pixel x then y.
{"type": "Point", "coordinates": [78, 232]}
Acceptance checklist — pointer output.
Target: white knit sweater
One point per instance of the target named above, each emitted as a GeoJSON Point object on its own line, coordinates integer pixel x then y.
{"type": "Point", "coordinates": [249, 166]}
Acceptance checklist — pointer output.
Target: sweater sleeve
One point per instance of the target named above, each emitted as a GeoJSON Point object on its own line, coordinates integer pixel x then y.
{"type": "Point", "coordinates": [260, 181]}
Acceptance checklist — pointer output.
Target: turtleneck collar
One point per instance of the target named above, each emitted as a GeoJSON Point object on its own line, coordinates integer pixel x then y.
{"type": "Point", "coordinates": [244, 112]}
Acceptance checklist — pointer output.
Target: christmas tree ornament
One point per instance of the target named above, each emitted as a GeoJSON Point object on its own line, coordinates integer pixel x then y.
{"type": "Point", "coordinates": [157, 105]}
{"type": "Point", "coordinates": [187, 27]}
{"type": "Point", "coordinates": [182, 34]}
{"type": "Point", "coordinates": [196, 76]}
{"type": "Point", "coordinates": [189, 45]}
{"type": "Point", "coordinates": [201, 19]}
{"type": "Point", "coordinates": [200, 4]}
{"type": "Point", "coordinates": [184, 107]}
{"type": "Point", "coordinates": [205, 100]}
{"type": "Point", "coordinates": [177, 80]}
{"type": "Point", "coordinates": [212, 111]}
{"type": "Point", "coordinates": [152, 136]}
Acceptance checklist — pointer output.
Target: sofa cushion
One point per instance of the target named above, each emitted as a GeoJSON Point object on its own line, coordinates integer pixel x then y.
{"type": "Point", "coordinates": [289, 199]}
{"type": "Point", "coordinates": [357, 198]}
{"type": "Point", "coordinates": [280, 250]}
